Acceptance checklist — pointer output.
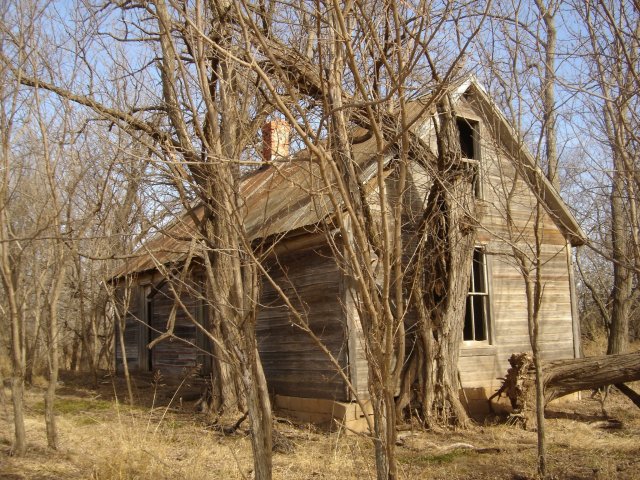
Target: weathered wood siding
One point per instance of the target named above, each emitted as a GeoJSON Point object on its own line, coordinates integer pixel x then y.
{"type": "Point", "coordinates": [308, 274]}
{"type": "Point", "coordinates": [177, 356]}
{"type": "Point", "coordinates": [482, 363]}
{"type": "Point", "coordinates": [358, 366]}
{"type": "Point", "coordinates": [294, 365]}
{"type": "Point", "coordinates": [149, 308]}
{"type": "Point", "coordinates": [133, 318]}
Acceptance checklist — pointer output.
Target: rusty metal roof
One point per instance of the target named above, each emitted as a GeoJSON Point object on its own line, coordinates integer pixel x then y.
{"type": "Point", "coordinates": [278, 198]}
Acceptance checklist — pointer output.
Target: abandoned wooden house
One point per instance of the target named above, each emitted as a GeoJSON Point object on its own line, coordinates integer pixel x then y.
{"type": "Point", "coordinates": [279, 207]}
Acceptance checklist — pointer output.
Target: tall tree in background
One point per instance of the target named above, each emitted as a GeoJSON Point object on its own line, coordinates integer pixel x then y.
{"type": "Point", "coordinates": [11, 253]}
{"type": "Point", "coordinates": [548, 12]}
{"type": "Point", "coordinates": [45, 218]}
{"type": "Point", "coordinates": [611, 32]}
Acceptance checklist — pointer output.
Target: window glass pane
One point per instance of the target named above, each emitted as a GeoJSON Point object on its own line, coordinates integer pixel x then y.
{"type": "Point", "coordinates": [478, 271]}
{"type": "Point", "coordinates": [477, 312]}
{"type": "Point", "coordinates": [468, 320]}
{"type": "Point", "coordinates": [480, 332]}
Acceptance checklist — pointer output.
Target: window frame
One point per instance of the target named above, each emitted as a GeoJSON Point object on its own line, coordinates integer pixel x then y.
{"type": "Point", "coordinates": [474, 163]}
{"type": "Point", "coordinates": [486, 297]}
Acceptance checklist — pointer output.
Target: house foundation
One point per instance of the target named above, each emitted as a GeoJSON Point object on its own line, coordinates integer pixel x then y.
{"type": "Point", "coordinates": [325, 413]}
{"type": "Point", "coordinates": [334, 415]}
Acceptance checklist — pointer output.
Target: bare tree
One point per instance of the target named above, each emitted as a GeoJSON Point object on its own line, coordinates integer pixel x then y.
{"type": "Point", "coordinates": [10, 252]}
{"type": "Point", "coordinates": [14, 237]}
{"type": "Point", "coordinates": [342, 75]}
{"type": "Point", "coordinates": [548, 13]}
{"type": "Point", "coordinates": [44, 216]}
{"type": "Point", "coordinates": [527, 90]}
{"type": "Point", "coordinates": [211, 59]}
{"type": "Point", "coordinates": [201, 121]}
{"type": "Point", "coordinates": [360, 90]}
{"type": "Point", "coordinates": [612, 37]}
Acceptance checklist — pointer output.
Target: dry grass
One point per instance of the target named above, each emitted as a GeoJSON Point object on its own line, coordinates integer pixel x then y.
{"type": "Point", "coordinates": [598, 345]}
{"type": "Point", "coordinates": [102, 439]}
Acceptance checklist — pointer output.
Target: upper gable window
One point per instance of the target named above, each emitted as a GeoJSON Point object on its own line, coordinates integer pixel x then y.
{"type": "Point", "coordinates": [469, 131]}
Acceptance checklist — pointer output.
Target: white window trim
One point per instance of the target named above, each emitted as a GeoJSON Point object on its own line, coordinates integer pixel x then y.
{"type": "Point", "coordinates": [488, 324]}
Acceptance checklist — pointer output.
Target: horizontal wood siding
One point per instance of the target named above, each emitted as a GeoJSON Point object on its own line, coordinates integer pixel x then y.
{"type": "Point", "coordinates": [481, 365]}
{"type": "Point", "coordinates": [176, 356]}
{"type": "Point", "coordinates": [132, 329]}
{"type": "Point", "coordinates": [358, 367]}
{"type": "Point", "coordinates": [509, 318]}
{"type": "Point", "coordinates": [293, 363]}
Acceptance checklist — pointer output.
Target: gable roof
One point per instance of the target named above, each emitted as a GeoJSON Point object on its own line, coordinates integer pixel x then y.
{"type": "Point", "coordinates": [527, 165]}
{"type": "Point", "coordinates": [289, 195]}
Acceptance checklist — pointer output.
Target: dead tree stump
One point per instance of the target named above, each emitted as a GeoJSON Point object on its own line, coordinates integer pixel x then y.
{"type": "Point", "coordinates": [517, 386]}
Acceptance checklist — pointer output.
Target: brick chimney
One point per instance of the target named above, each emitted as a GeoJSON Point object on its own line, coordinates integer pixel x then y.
{"type": "Point", "coordinates": [275, 140]}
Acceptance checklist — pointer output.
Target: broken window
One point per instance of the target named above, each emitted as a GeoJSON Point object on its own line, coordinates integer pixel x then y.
{"type": "Point", "coordinates": [469, 131]}
{"type": "Point", "coordinates": [476, 321]}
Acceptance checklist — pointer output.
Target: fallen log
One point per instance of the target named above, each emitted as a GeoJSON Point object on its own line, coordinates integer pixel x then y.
{"type": "Point", "coordinates": [563, 377]}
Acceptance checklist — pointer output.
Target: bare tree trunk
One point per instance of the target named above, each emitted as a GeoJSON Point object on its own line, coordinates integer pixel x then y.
{"type": "Point", "coordinates": [225, 394]}
{"type": "Point", "coordinates": [121, 300]}
{"type": "Point", "coordinates": [533, 294]}
{"type": "Point", "coordinates": [75, 352]}
{"type": "Point", "coordinates": [53, 357]}
{"type": "Point", "coordinates": [564, 377]}
{"type": "Point", "coordinates": [10, 274]}
{"type": "Point", "coordinates": [618, 340]}
{"type": "Point", "coordinates": [17, 344]}
{"type": "Point", "coordinates": [33, 347]}
{"type": "Point", "coordinates": [53, 334]}
{"type": "Point", "coordinates": [615, 74]}
{"type": "Point", "coordinates": [86, 328]}
{"type": "Point", "coordinates": [125, 362]}
{"type": "Point", "coordinates": [548, 91]}
{"type": "Point", "coordinates": [443, 268]}
{"type": "Point", "coordinates": [259, 408]}
{"type": "Point", "coordinates": [234, 290]}
{"type": "Point", "coordinates": [17, 383]}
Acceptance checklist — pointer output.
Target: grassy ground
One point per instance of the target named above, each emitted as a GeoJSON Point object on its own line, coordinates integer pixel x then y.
{"type": "Point", "coordinates": [100, 438]}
